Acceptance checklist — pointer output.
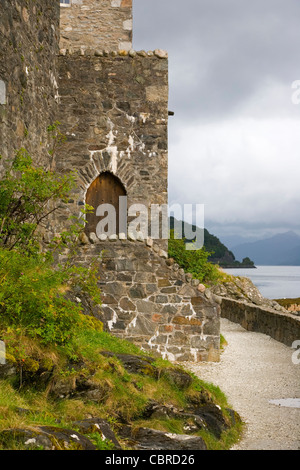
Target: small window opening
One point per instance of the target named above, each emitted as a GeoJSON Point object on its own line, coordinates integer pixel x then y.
{"type": "Point", "coordinates": [65, 3]}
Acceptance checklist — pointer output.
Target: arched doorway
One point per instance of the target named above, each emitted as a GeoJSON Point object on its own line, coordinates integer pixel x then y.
{"type": "Point", "coordinates": [106, 189]}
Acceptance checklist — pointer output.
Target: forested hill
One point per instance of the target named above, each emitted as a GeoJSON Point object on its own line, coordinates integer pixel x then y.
{"type": "Point", "coordinates": [220, 254]}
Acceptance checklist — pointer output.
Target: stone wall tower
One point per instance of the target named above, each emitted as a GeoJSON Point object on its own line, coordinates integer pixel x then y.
{"type": "Point", "coordinates": [96, 24]}
{"type": "Point", "coordinates": [112, 103]}
{"type": "Point", "coordinates": [113, 107]}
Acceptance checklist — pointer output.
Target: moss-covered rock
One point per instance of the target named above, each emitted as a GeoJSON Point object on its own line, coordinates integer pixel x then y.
{"type": "Point", "coordinates": [45, 438]}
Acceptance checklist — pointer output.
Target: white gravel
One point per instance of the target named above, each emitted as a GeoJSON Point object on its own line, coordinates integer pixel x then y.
{"type": "Point", "coordinates": [254, 370]}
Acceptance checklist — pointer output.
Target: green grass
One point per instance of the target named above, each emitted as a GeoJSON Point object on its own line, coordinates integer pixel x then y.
{"type": "Point", "coordinates": [90, 343]}
{"type": "Point", "coordinates": [125, 394]}
{"type": "Point", "coordinates": [288, 302]}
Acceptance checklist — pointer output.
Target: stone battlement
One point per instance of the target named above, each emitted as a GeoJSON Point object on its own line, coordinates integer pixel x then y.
{"type": "Point", "coordinates": [82, 51]}
{"type": "Point", "coordinates": [97, 24]}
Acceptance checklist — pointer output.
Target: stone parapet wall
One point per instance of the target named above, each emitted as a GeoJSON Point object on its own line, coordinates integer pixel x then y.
{"type": "Point", "coordinates": [29, 37]}
{"type": "Point", "coordinates": [282, 327]}
{"type": "Point", "coordinates": [105, 24]}
{"type": "Point", "coordinates": [150, 301]}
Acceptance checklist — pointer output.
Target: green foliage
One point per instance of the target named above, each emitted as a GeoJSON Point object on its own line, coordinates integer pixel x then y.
{"type": "Point", "coordinates": [192, 261]}
{"type": "Point", "coordinates": [34, 292]}
{"type": "Point", "coordinates": [44, 330]}
{"type": "Point", "coordinates": [247, 262]}
{"type": "Point", "coordinates": [215, 246]}
{"type": "Point", "coordinates": [27, 196]}
{"type": "Point", "coordinates": [90, 342]}
{"type": "Point", "coordinates": [100, 443]}
{"type": "Point", "coordinates": [33, 296]}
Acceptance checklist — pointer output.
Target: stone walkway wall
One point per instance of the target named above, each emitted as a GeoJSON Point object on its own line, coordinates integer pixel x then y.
{"type": "Point", "coordinates": [283, 327]}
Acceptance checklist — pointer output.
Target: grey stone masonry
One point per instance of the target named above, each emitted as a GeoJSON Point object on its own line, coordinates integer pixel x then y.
{"type": "Point", "coordinates": [93, 24]}
{"type": "Point", "coordinates": [114, 113]}
{"type": "Point", "coordinates": [149, 300]}
{"type": "Point", "coordinates": [29, 36]}
{"type": "Point", "coordinates": [282, 326]}
{"type": "Point", "coordinates": [112, 103]}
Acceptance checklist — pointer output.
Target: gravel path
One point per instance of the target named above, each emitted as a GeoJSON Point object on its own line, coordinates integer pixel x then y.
{"type": "Point", "coordinates": [253, 370]}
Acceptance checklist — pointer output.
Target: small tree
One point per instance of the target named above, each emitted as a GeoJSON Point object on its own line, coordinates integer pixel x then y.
{"type": "Point", "coordinates": [28, 195]}
{"type": "Point", "coordinates": [34, 291]}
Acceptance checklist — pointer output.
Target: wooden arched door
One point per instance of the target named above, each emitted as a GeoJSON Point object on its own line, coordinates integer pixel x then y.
{"type": "Point", "coordinates": [105, 189]}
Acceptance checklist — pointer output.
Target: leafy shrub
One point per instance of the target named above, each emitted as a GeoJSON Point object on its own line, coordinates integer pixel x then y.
{"type": "Point", "coordinates": [192, 261]}
{"type": "Point", "coordinates": [34, 291]}
{"type": "Point", "coordinates": [28, 195]}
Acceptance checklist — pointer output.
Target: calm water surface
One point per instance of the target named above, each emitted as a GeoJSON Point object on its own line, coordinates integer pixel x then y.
{"type": "Point", "coordinates": [274, 282]}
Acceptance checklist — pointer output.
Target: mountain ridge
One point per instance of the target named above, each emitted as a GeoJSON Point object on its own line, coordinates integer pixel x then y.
{"type": "Point", "coordinates": [278, 250]}
{"type": "Point", "coordinates": [220, 254]}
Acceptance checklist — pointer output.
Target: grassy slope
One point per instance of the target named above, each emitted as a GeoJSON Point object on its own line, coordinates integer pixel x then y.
{"type": "Point", "coordinates": [126, 394]}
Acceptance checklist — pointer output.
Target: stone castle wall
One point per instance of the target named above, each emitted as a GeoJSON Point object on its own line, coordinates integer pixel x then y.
{"type": "Point", "coordinates": [29, 35]}
{"type": "Point", "coordinates": [97, 24]}
{"type": "Point", "coordinates": [149, 300]}
{"type": "Point", "coordinates": [114, 112]}
{"type": "Point", "coordinates": [112, 103]}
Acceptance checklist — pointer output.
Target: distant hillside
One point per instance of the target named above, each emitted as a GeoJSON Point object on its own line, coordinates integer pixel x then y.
{"type": "Point", "coordinates": [279, 250]}
{"type": "Point", "coordinates": [221, 255]}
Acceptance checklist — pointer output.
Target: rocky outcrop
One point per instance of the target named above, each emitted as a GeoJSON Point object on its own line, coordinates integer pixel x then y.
{"type": "Point", "coordinates": [243, 290]}
{"type": "Point", "coordinates": [92, 425]}
{"type": "Point", "coordinates": [46, 438]}
{"type": "Point", "coordinates": [85, 386]}
{"type": "Point", "coordinates": [151, 439]}
{"type": "Point", "coordinates": [199, 413]}
{"type": "Point", "coordinates": [57, 438]}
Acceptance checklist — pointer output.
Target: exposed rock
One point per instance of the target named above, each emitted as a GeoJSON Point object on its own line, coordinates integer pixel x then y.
{"type": "Point", "coordinates": [151, 439]}
{"type": "Point", "coordinates": [243, 289]}
{"type": "Point", "coordinates": [212, 415]}
{"type": "Point", "coordinates": [83, 239]}
{"type": "Point", "coordinates": [178, 377]}
{"type": "Point", "coordinates": [161, 53]}
{"type": "Point", "coordinates": [192, 422]}
{"type": "Point", "coordinates": [294, 308]}
{"type": "Point", "coordinates": [47, 438]}
{"type": "Point", "coordinates": [155, 409]}
{"type": "Point", "coordinates": [84, 386]}
{"type": "Point", "coordinates": [136, 364]}
{"type": "Point", "coordinates": [90, 425]}
{"type": "Point", "coordinates": [93, 237]}
{"type": "Point", "coordinates": [7, 370]}
{"type": "Point", "coordinates": [201, 288]}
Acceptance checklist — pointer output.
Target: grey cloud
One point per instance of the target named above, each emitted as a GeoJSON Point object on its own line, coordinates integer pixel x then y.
{"type": "Point", "coordinates": [229, 61]}
{"type": "Point", "coordinates": [220, 51]}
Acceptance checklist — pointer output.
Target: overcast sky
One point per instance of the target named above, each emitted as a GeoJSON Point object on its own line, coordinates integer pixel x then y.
{"type": "Point", "coordinates": [234, 141]}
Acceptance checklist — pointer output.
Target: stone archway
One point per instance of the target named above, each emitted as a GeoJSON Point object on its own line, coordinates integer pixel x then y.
{"type": "Point", "coordinates": [105, 189]}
